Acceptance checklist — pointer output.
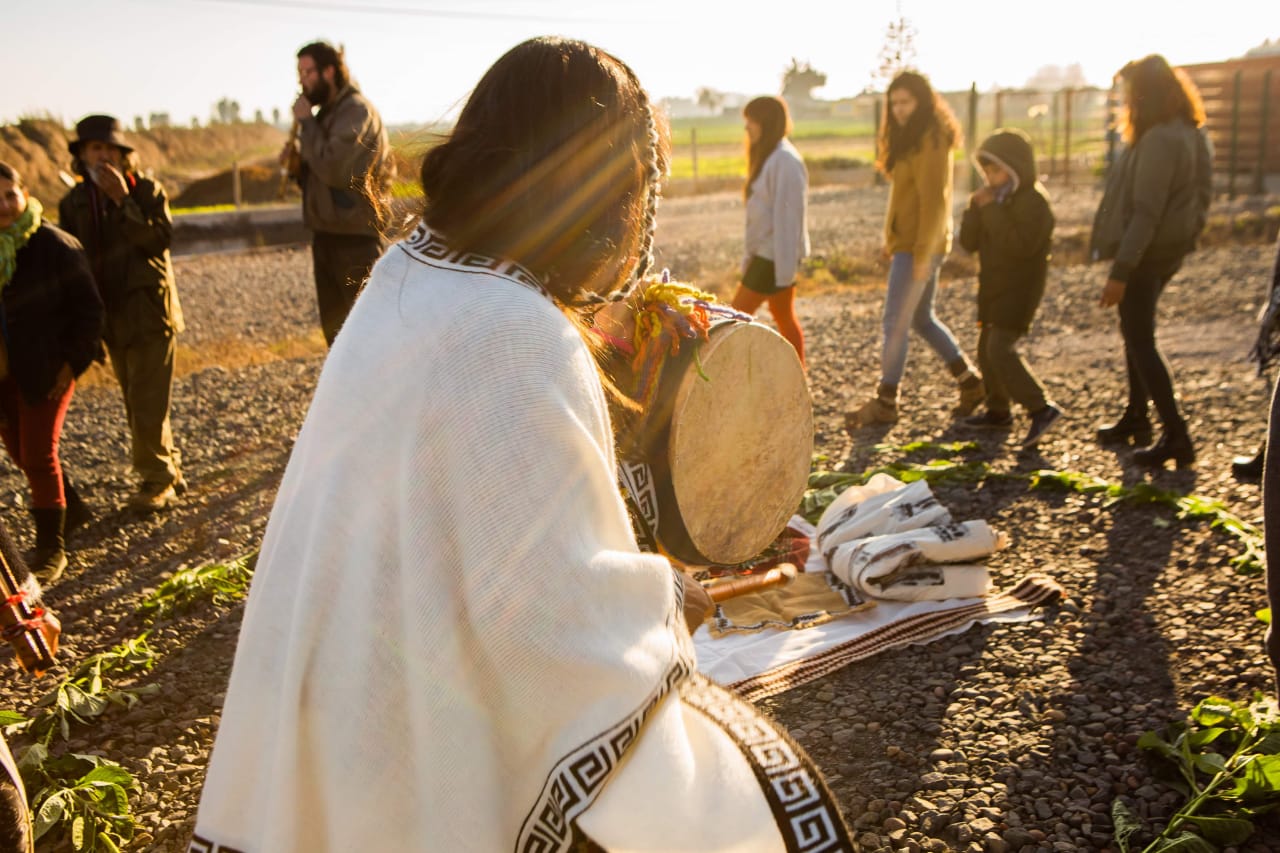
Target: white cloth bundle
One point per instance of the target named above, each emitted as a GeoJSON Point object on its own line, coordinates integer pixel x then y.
{"type": "Point", "coordinates": [912, 565]}
{"type": "Point", "coordinates": [882, 505]}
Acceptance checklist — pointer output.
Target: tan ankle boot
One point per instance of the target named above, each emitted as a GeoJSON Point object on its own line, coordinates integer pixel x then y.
{"type": "Point", "coordinates": [880, 409]}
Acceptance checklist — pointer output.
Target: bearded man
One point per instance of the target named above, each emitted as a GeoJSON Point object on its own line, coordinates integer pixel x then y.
{"type": "Point", "coordinates": [341, 159]}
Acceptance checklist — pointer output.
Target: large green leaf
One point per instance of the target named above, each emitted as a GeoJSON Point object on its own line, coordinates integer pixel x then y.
{"type": "Point", "coordinates": [1226, 831]}
{"type": "Point", "coordinates": [51, 811]}
{"type": "Point", "coordinates": [112, 774]}
{"type": "Point", "coordinates": [1126, 824]}
{"type": "Point", "coordinates": [1187, 842]}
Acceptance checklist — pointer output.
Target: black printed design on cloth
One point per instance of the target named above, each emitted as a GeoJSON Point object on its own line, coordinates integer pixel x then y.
{"type": "Point", "coordinates": [578, 778]}
{"type": "Point", "coordinates": [428, 247]}
{"type": "Point", "coordinates": [203, 845]}
{"type": "Point", "coordinates": [640, 494]}
{"type": "Point", "coordinates": [802, 806]}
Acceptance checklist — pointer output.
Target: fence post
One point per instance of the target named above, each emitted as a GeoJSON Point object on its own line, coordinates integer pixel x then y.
{"type": "Point", "coordinates": [1235, 135]}
{"type": "Point", "coordinates": [999, 108]}
{"type": "Point", "coordinates": [1260, 176]}
{"type": "Point", "coordinates": [1053, 135]}
{"type": "Point", "coordinates": [1068, 94]}
{"type": "Point", "coordinates": [876, 119]}
{"type": "Point", "coordinates": [971, 138]}
{"type": "Point", "coordinates": [693, 145]}
{"type": "Point", "coordinates": [235, 184]}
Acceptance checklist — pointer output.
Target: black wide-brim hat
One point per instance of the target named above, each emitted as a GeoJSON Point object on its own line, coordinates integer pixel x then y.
{"type": "Point", "coordinates": [99, 128]}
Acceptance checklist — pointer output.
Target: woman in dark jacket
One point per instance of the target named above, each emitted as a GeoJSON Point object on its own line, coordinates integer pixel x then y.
{"type": "Point", "coordinates": [51, 322]}
{"type": "Point", "coordinates": [1151, 213]}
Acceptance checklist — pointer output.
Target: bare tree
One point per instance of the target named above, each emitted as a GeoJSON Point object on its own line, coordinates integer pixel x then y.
{"type": "Point", "coordinates": [898, 53]}
{"type": "Point", "coordinates": [799, 81]}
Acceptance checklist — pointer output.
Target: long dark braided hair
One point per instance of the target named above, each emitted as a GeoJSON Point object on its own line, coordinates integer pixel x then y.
{"type": "Point", "coordinates": [555, 162]}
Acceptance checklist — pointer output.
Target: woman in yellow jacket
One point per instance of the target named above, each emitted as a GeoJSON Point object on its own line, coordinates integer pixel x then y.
{"type": "Point", "coordinates": [917, 137]}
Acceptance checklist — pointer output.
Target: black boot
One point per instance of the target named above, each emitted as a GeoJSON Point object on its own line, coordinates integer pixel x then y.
{"type": "Point", "coordinates": [1173, 444]}
{"type": "Point", "coordinates": [78, 512]}
{"type": "Point", "coordinates": [1250, 467]}
{"type": "Point", "coordinates": [50, 556]}
{"type": "Point", "coordinates": [1133, 424]}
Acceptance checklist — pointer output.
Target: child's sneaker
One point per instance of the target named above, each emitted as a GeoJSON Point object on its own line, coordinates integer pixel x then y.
{"type": "Point", "coordinates": [990, 420]}
{"type": "Point", "coordinates": [1041, 422]}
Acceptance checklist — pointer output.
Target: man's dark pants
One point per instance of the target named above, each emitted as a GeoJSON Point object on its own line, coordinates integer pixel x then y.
{"type": "Point", "coordinates": [342, 263]}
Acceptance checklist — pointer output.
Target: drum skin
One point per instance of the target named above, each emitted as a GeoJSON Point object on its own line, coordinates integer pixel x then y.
{"type": "Point", "coordinates": [739, 448]}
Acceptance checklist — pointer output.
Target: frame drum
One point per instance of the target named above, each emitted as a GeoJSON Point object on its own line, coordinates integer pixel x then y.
{"type": "Point", "coordinates": [722, 463]}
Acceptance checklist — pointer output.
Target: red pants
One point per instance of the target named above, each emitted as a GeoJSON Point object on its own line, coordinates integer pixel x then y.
{"type": "Point", "coordinates": [31, 434]}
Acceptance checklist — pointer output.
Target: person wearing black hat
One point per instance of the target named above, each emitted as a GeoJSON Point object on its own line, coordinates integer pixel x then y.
{"type": "Point", "coordinates": [341, 159]}
{"type": "Point", "coordinates": [123, 220]}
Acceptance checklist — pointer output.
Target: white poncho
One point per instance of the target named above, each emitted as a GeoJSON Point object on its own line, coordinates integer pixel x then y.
{"type": "Point", "coordinates": [452, 642]}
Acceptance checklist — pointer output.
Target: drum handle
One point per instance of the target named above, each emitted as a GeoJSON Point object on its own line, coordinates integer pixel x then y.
{"type": "Point", "coordinates": [724, 590]}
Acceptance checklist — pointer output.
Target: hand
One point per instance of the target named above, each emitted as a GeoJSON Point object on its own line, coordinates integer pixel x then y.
{"type": "Point", "coordinates": [61, 382]}
{"type": "Point", "coordinates": [697, 604]}
{"type": "Point", "coordinates": [110, 181]}
{"type": "Point", "coordinates": [302, 108]}
{"type": "Point", "coordinates": [982, 197]}
{"type": "Point", "coordinates": [1112, 293]}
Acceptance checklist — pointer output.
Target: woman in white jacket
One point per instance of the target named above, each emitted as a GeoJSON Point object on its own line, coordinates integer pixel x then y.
{"type": "Point", "coordinates": [777, 230]}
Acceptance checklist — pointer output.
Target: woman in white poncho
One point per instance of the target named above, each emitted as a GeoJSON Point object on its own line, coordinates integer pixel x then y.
{"type": "Point", "coordinates": [452, 641]}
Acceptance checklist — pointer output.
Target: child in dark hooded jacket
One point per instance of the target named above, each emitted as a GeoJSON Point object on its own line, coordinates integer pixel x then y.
{"type": "Point", "coordinates": [1009, 223]}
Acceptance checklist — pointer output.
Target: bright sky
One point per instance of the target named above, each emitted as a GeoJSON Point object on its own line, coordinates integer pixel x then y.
{"type": "Point", "coordinates": [418, 59]}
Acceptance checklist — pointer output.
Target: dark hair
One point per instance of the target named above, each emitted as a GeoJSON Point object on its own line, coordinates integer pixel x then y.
{"type": "Point", "coordinates": [932, 115]}
{"type": "Point", "coordinates": [325, 55]}
{"type": "Point", "coordinates": [1157, 93]}
{"type": "Point", "coordinates": [775, 123]}
{"type": "Point", "coordinates": [555, 163]}
{"type": "Point", "coordinates": [11, 174]}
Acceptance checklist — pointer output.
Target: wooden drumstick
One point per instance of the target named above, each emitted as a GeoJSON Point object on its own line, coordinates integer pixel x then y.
{"type": "Point", "coordinates": [721, 591]}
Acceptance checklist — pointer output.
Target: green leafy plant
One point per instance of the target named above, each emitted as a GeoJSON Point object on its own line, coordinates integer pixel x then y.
{"type": "Point", "coordinates": [84, 694]}
{"type": "Point", "coordinates": [1249, 562]}
{"type": "Point", "coordinates": [82, 797]}
{"type": "Point", "coordinates": [220, 583]}
{"type": "Point", "coordinates": [1225, 759]}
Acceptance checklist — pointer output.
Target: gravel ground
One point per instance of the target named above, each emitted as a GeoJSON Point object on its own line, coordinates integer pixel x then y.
{"type": "Point", "coordinates": [1006, 738]}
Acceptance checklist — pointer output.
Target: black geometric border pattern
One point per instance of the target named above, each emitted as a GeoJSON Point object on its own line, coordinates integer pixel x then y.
{"type": "Point", "coordinates": [426, 246]}
{"type": "Point", "coordinates": [203, 845]}
{"type": "Point", "coordinates": [641, 495]}
{"type": "Point", "coordinates": [578, 778]}
{"type": "Point", "coordinates": [803, 808]}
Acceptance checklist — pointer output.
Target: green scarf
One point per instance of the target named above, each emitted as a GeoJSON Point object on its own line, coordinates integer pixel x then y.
{"type": "Point", "coordinates": [15, 237]}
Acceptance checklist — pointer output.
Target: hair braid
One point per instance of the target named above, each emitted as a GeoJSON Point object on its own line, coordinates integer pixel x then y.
{"type": "Point", "coordinates": [653, 176]}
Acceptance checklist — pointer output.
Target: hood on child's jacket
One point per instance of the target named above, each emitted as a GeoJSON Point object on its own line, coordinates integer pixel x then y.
{"type": "Point", "coordinates": [1011, 149]}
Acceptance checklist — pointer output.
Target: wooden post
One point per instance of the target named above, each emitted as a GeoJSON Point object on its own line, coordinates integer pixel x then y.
{"type": "Point", "coordinates": [235, 183]}
{"type": "Point", "coordinates": [1111, 129]}
{"type": "Point", "coordinates": [1235, 136]}
{"type": "Point", "coordinates": [1066, 136]}
{"type": "Point", "coordinates": [1053, 135]}
{"type": "Point", "coordinates": [999, 108]}
{"type": "Point", "coordinates": [876, 120]}
{"type": "Point", "coordinates": [693, 144]}
{"type": "Point", "coordinates": [1260, 175]}
{"type": "Point", "coordinates": [971, 137]}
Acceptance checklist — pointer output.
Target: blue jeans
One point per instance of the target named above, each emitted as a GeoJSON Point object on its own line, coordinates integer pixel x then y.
{"type": "Point", "coordinates": [909, 305]}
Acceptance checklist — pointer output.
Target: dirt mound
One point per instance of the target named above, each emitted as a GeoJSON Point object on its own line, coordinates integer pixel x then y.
{"type": "Point", "coordinates": [174, 155]}
{"type": "Point", "coordinates": [259, 184]}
